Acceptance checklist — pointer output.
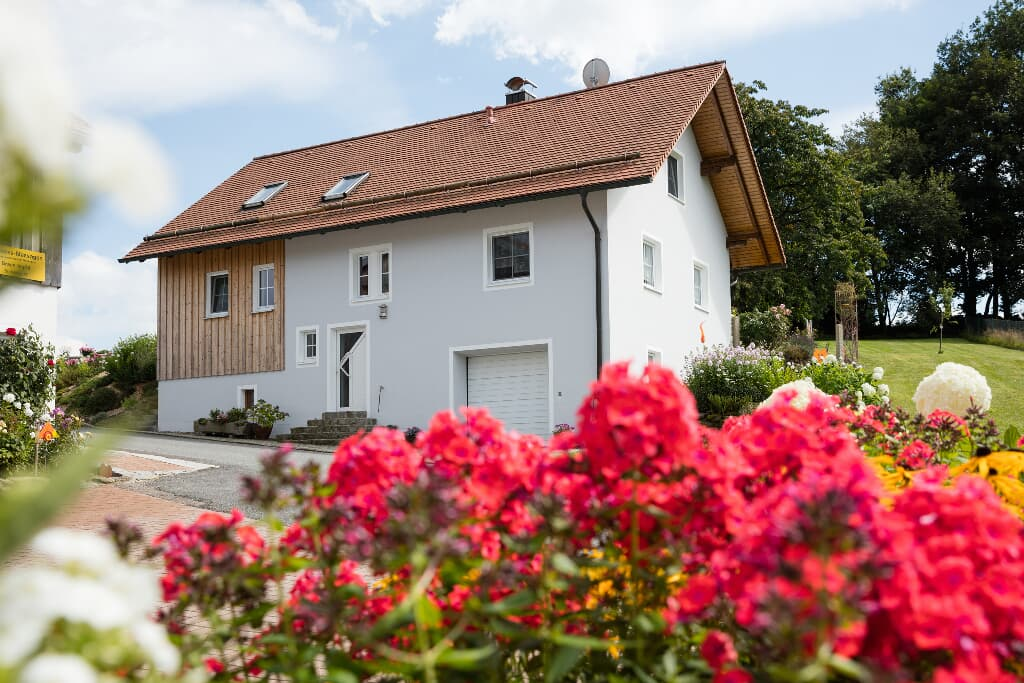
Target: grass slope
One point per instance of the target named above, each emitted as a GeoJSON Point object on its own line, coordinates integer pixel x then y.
{"type": "Point", "coordinates": [907, 361]}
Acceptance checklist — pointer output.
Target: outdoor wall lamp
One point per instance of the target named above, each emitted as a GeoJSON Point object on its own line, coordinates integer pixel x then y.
{"type": "Point", "coordinates": [382, 311]}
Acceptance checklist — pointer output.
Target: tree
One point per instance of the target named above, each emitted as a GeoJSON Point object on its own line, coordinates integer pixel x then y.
{"type": "Point", "coordinates": [815, 199]}
{"type": "Point", "coordinates": [915, 218]}
{"type": "Point", "coordinates": [969, 118]}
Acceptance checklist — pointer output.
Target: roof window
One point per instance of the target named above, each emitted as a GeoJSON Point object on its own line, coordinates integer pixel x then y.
{"type": "Point", "coordinates": [264, 195]}
{"type": "Point", "coordinates": [345, 186]}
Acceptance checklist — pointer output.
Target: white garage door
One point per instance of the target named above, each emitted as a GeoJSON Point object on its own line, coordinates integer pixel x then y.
{"type": "Point", "coordinates": [514, 386]}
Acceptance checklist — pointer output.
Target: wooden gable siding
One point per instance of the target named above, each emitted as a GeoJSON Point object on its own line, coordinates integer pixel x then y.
{"type": "Point", "coordinates": [753, 240]}
{"type": "Point", "coordinates": [192, 345]}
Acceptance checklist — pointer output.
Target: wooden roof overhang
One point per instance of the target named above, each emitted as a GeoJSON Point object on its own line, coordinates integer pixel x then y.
{"type": "Point", "coordinates": [728, 162]}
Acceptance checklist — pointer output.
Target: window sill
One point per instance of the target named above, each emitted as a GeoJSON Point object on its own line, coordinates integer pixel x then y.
{"type": "Point", "coordinates": [210, 316]}
{"type": "Point", "coordinates": [702, 308]}
{"type": "Point", "coordinates": [678, 199]}
{"type": "Point", "coordinates": [370, 300]}
{"type": "Point", "coordinates": [651, 288]}
{"type": "Point", "coordinates": [506, 284]}
{"type": "Point", "coordinates": [267, 309]}
{"type": "Point", "coordinates": [307, 363]}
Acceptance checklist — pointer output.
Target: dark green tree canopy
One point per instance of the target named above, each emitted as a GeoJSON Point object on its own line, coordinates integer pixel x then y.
{"type": "Point", "coordinates": [816, 202]}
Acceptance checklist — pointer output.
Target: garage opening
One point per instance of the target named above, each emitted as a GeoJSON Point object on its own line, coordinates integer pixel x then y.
{"type": "Point", "coordinates": [514, 384]}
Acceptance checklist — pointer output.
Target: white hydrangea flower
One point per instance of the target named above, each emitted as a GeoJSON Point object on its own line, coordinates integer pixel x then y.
{"type": "Point", "coordinates": [804, 389]}
{"type": "Point", "coordinates": [152, 638]}
{"type": "Point", "coordinates": [830, 359]}
{"type": "Point", "coordinates": [28, 410]}
{"type": "Point", "coordinates": [73, 549]}
{"type": "Point", "coordinates": [952, 387]}
{"type": "Point", "coordinates": [9, 397]}
{"type": "Point", "coordinates": [86, 583]}
{"type": "Point", "coordinates": [17, 405]}
{"type": "Point", "coordinates": [883, 389]}
{"type": "Point", "coordinates": [58, 668]}
{"type": "Point", "coordinates": [867, 390]}
{"type": "Point", "coordinates": [877, 374]}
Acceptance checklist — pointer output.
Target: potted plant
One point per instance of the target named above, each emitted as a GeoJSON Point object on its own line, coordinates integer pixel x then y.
{"type": "Point", "coordinates": [262, 417]}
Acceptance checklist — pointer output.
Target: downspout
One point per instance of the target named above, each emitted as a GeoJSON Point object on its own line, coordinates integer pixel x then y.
{"type": "Point", "coordinates": [598, 309]}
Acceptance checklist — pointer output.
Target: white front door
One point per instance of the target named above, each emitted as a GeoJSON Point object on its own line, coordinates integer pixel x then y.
{"type": "Point", "coordinates": [514, 387]}
{"type": "Point", "coordinates": [351, 373]}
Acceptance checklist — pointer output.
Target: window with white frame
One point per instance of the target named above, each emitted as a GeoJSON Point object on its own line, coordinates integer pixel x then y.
{"type": "Point", "coordinates": [700, 285]}
{"type": "Point", "coordinates": [371, 273]}
{"type": "Point", "coordinates": [652, 263]}
{"type": "Point", "coordinates": [653, 356]}
{"type": "Point", "coordinates": [307, 346]}
{"type": "Point", "coordinates": [508, 256]}
{"type": "Point", "coordinates": [263, 288]}
{"type": "Point", "coordinates": [217, 294]}
{"type": "Point", "coordinates": [674, 170]}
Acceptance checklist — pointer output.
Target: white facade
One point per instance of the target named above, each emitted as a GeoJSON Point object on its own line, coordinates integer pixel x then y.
{"type": "Point", "coordinates": [29, 303]}
{"type": "Point", "coordinates": [450, 334]}
{"type": "Point", "coordinates": [687, 231]}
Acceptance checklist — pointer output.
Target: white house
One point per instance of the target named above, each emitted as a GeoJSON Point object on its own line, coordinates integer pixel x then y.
{"type": "Point", "coordinates": [494, 258]}
{"type": "Point", "coordinates": [30, 265]}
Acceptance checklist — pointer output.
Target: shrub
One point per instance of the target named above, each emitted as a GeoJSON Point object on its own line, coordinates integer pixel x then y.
{"type": "Point", "coordinates": [733, 377]}
{"type": "Point", "coordinates": [1008, 339]}
{"type": "Point", "coordinates": [851, 379]}
{"type": "Point", "coordinates": [27, 368]}
{"type": "Point", "coordinates": [767, 329]}
{"type": "Point", "coordinates": [72, 372]}
{"type": "Point", "coordinates": [638, 546]}
{"type": "Point", "coordinates": [264, 414]}
{"type": "Point", "coordinates": [133, 360]}
{"type": "Point", "coordinates": [101, 400]}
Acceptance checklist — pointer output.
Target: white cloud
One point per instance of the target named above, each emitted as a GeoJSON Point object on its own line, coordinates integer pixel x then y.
{"type": "Point", "coordinates": [631, 35]}
{"type": "Point", "coordinates": [381, 11]}
{"type": "Point", "coordinates": [101, 300]}
{"type": "Point", "coordinates": [166, 55]}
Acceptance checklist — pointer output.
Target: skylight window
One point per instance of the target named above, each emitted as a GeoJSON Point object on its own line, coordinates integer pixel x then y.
{"type": "Point", "coordinates": [345, 186]}
{"type": "Point", "coordinates": [264, 195]}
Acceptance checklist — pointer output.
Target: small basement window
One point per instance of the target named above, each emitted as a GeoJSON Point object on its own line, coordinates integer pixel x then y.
{"type": "Point", "coordinates": [345, 186]}
{"type": "Point", "coordinates": [675, 182]}
{"type": "Point", "coordinates": [263, 288]}
{"type": "Point", "coordinates": [263, 196]}
{"type": "Point", "coordinates": [217, 294]}
{"type": "Point", "coordinates": [652, 264]}
{"type": "Point", "coordinates": [307, 346]}
{"type": "Point", "coordinates": [700, 286]}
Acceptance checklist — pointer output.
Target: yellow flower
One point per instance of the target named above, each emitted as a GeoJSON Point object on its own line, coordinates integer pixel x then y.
{"type": "Point", "coordinates": [1004, 471]}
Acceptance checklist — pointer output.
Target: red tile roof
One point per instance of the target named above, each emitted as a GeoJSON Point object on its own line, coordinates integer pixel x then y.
{"type": "Point", "coordinates": [614, 135]}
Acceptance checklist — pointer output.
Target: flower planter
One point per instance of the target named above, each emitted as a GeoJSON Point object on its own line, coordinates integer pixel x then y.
{"type": "Point", "coordinates": [261, 432]}
{"type": "Point", "coordinates": [241, 429]}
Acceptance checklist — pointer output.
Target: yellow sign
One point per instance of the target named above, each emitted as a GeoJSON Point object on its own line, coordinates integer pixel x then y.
{"type": "Point", "coordinates": [28, 265]}
{"type": "Point", "coordinates": [47, 432]}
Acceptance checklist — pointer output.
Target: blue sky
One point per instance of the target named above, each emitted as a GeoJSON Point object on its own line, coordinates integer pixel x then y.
{"type": "Point", "coordinates": [216, 82]}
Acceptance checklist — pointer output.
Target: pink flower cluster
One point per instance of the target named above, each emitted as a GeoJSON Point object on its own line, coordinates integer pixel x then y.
{"type": "Point", "coordinates": [771, 537]}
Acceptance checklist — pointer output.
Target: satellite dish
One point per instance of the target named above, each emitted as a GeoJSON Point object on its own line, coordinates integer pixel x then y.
{"type": "Point", "coordinates": [596, 73]}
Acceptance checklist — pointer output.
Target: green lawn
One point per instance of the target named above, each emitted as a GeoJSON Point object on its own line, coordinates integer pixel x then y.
{"type": "Point", "coordinates": [907, 361]}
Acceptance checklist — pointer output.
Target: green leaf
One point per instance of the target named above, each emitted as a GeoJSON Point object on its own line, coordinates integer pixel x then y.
{"type": "Point", "coordinates": [1011, 436]}
{"type": "Point", "coordinates": [342, 677]}
{"type": "Point", "coordinates": [562, 663]}
{"type": "Point", "coordinates": [563, 564]}
{"type": "Point", "coordinates": [467, 659]}
{"type": "Point", "coordinates": [427, 614]}
{"type": "Point", "coordinates": [513, 603]}
{"type": "Point", "coordinates": [583, 641]}
{"type": "Point", "coordinates": [28, 506]}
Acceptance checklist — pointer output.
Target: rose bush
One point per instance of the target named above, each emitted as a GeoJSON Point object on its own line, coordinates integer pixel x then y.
{"type": "Point", "coordinates": [639, 546]}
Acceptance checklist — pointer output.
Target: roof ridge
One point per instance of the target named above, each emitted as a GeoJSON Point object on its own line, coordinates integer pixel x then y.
{"type": "Point", "coordinates": [495, 107]}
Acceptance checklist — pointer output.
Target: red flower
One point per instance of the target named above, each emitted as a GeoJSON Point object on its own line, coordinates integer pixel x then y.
{"type": "Point", "coordinates": [718, 650]}
{"type": "Point", "coordinates": [214, 666]}
{"type": "Point", "coordinates": [49, 362]}
{"type": "Point", "coordinates": [11, 332]}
